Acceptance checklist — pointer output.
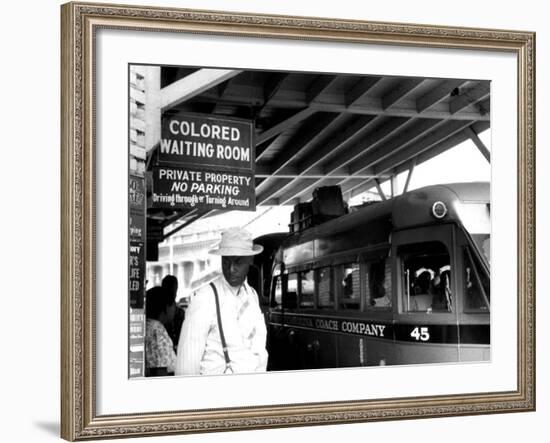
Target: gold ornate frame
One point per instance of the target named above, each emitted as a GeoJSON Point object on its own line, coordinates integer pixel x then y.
{"type": "Point", "coordinates": [79, 420]}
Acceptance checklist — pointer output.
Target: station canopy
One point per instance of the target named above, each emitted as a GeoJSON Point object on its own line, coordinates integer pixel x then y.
{"type": "Point", "coordinates": [323, 129]}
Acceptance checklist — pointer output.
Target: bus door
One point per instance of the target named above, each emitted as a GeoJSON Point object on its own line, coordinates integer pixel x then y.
{"type": "Point", "coordinates": [474, 296]}
{"type": "Point", "coordinates": [310, 340]}
{"type": "Point", "coordinates": [425, 277]}
{"type": "Point", "coordinates": [292, 343]}
{"type": "Point", "coordinates": [301, 321]}
{"type": "Point", "coordinates": [280, 346]}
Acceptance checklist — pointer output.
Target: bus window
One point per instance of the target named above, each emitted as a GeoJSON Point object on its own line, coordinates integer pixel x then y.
{"type": "Point", "coordinates": [378, 284]}
{"type": "Point", "coordinates": [325, 293]}
{"type": "Point", "coordinates": [426, 273]}
{"type": "Point", "coordinates": [483, 243]}
{"type": "Point", "coordinates": [476, 284]}
{"type": "Point", "coordinates": [292, 289]}
{"type": "Point", "coordinates": [277, 291]}
{"type": "Point", "coordinates": [306, 289]}
{"type": "Point", "coordinates": [347, 277]}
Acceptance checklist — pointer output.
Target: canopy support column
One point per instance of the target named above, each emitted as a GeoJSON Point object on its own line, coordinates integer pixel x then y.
{"type": "Point", "coordinates": [379, 188]}
{"type": "Point", "coordinates": [480, 145]}
{"type": "Point", "coordinates": [409, 175]}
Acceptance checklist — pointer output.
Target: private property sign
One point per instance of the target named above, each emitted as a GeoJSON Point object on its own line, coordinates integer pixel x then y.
{"type": "Point", "coordinates": [205, 141]}
{"type": "Point", "coordinates": [206, 162]}
{"type": "Point", "coordinates": [189, 188]}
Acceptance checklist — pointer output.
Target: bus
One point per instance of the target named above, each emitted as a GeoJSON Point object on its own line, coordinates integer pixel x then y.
{"type": "Point", "coordinates": [400, 281]}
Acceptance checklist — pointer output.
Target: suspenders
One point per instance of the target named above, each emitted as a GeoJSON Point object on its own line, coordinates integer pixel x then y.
{"type": "Point", "coordinates": [228, 367]}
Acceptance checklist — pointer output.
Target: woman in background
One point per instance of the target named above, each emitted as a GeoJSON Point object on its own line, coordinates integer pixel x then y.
{"type": "Point", "coordinates": [160, 358]}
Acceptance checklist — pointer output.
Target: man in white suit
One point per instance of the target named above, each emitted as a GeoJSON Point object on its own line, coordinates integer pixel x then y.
{"type": "Point", "coordinates": [224, 329]}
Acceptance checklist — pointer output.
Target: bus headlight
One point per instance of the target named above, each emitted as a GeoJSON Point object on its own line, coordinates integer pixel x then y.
{"type": "Point", "coordinates": [439, 210]}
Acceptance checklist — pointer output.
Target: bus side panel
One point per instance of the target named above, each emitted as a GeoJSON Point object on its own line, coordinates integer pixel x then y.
{"type": "Point", "coordinates": [317, 349]}
{"type": "Point", "coordinates": [285, 349]}
{"type": "Point", "coordinates": [368, 351]}
{"type": "Point", "coordinates": [415, 353]}
{"type": "Point", "coordinates": [379, 352]}
{"type": "Point", "coordinates": [475, 353]}
{"type": "Point", "coordinates": [351, 351]}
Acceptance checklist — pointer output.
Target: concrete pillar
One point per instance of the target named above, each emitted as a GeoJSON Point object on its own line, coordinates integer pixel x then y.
{"type": "Point", "coordinates": [165, 271]}
{"type": "Point", "coordinates": [188, 271]}
{"type": "Point", "coordinates": [158, 272]}
{"type": "Point", "coordinates": [152, 106]}
{"type": "Point", "coordinates": [181, 280]}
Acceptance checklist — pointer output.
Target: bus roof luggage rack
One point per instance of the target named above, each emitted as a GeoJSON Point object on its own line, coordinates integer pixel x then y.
{"type": "Point", "coordinates": [327, 203]}
{"type": "Point", "coordinates": [301, 217]}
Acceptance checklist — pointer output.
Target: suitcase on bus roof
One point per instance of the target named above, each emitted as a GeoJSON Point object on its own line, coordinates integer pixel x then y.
{"type": "Point", "coordinates": [328, 201]}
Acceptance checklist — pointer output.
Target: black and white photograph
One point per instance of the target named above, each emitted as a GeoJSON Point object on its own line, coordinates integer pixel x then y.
{"type": "Point", "coordinates": [274, 220]}
{"type": "Point", "coordinates": [291, 221]}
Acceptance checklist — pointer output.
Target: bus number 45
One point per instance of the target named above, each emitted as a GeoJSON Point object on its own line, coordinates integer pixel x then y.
{"type": "Point", "coordinates": [420, 334]}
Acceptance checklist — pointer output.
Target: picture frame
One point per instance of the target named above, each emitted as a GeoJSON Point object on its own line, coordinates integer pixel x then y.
{"type": "Point", "coordinates": [79, 396]}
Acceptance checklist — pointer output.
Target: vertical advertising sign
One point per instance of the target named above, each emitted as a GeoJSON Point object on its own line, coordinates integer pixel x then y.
{"type": "Point", "coordinates": [136, 274]}
{"type": "Point", "coordinates": [136, 194]}
{"type": "Point", "coordinates": [137, 232]}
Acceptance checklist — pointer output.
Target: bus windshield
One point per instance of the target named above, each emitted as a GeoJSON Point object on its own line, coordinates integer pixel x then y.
{"type": "Point", "coordinates": [483, 243]}
{"type": "Point", "coordinates": [476, 218]}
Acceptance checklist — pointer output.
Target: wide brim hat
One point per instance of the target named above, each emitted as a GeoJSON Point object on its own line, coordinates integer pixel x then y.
{"type": "Point", "coordinates": [236, 242]}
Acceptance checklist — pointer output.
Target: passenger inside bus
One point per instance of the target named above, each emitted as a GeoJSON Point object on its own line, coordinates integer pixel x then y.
{"type": "Point", "coordinates": [347, 283]}
{"type": "Point", "coordinates": [423, 291]}
{"type": "Point", "coordinates": [442, 292]}
{"type": "Point", "coordinates": [379, 284]}
{"type": "Point", "coordinates": [349, 292]}
{"type": "Point", "coordinates": [427, 274]}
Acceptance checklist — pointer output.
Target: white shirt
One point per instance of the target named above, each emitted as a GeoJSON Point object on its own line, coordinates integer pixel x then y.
{"type": "Point", "coordinates": [200, 349]}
